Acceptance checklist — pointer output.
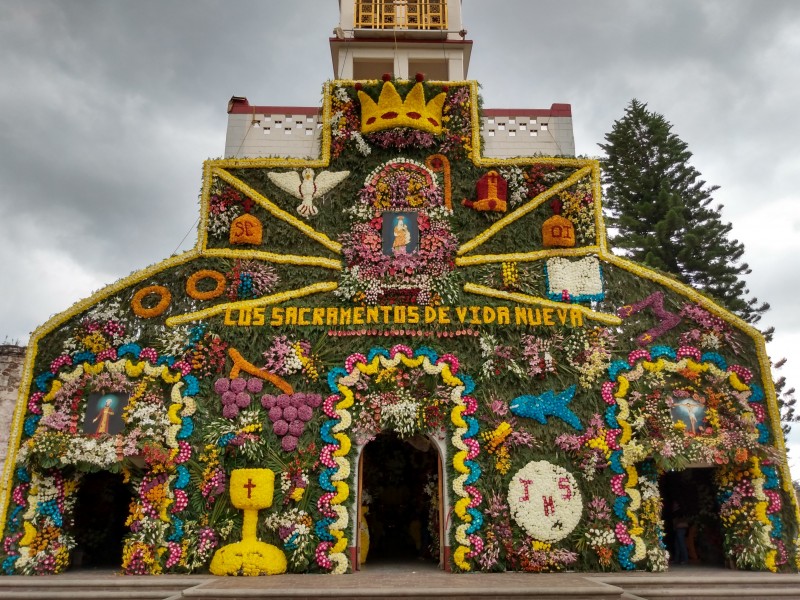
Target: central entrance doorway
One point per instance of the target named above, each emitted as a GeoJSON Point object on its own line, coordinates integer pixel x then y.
{"type": "Point", "coordinates": [102, 507]}
{"type": "Point", "coordinates": [400, 492]}
{"type": "Point", "coordinates": [690, 496]}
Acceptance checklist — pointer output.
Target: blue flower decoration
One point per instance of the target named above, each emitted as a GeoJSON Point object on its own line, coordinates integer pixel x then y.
{"type": "Point", "coordinates": [620, 505]}
{"type": "Point", "coordinates": [182, 479]}
{"type": "Point", "coordinates": [716, 358]}
{"type": "Point", "coordinates": [167, 359]}
{"type": "Point", "coordinates": [547, 404]}
{"type": "Point", "coordinates": [321, 529]}
{"type": "Point", "coordinates": [132, 349]}
{"type": "Point", "coordinates": [770, 476]}
{"type": "Point", "coordinates": [196, 334]}
{"type": "Point", "coordinates": [291, 543]}
{"type": "Point", "coordinates": [225, 439]}
{"type": "Point", "coordinates": [663, 351]}
{"type": "Point", "coordinates": [325, 479]}
{"type": "Point", "coordinates": [763, 433]}
{"type": "Point", "coordinates": [477, 520]}
{"type": "Point", "coordinates": [187, 427]}
{"type": "Point", "coordinates": [325, 431]}
{"type": "Point", "coordinates": [8, 564]}
{"type": "Point", "coordinates": [777, 526]}
{"type": "Point", "coordinates": [469, 383]}
{"type": "Point", "coordinates": [333, 375]}
{"type": "Point", "coordinates": [475, 472]}
{"type": "Point", "coordinates": [191, 386]}
{"type": "Point", "coordinates": [23, 475]}
{"type": "Point", "coordinates": [43, 379]}
{"type": "Point", "coordinates": [624, 555]}
{"type": "Point", "coordinates": [611, 416]}
{"type": "Point", "coordinates": [376, 351]}
{"type": "Point", "coordinates": [85, 356]}
{"type": "Point", "coordinates": [614, 462]}
{"type": "Point", "coordinates": [177, 534]}
{"type": "Point", "coordinates": [425, 351]}
{"type": "Point", "coordinates": [31, 423]}
{"type": "Point", "coordinates": [758, 393]}
{"type": "Point", "coordinates": [616, 367]}
{"type": "Point", "coordinates": [14, 522]}
{"type": "Point", "coordinates": [472, 427]}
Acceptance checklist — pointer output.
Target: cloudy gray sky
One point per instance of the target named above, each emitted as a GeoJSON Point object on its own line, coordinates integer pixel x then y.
{"type": "Point", "coordinates": [108, 109]}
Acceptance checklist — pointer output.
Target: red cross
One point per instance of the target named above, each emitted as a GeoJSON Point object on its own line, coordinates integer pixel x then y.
{"type": "Point", "coordinates": [249, 485]}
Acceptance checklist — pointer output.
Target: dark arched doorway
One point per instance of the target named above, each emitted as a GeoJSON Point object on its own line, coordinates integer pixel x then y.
{"type": "Point", "coordinates": [691, 496]}
{"type": "Point", "coordinates": [101, 509]}
{"type": "Point", "coordinates": [401, 478]}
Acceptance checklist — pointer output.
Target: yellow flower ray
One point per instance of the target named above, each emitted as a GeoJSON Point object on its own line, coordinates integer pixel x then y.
{"type": "Point", "coordinates": [482, 290]}
{"type": "Point", "coordinates": [317, 288]}
{"type": "Point", "coordinates": [278, 212]}
{"type": "Point", "coordinates": [524, 210]}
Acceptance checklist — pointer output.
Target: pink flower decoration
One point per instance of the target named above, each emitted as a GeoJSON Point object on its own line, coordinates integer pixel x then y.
{"type": "Point", "coordinates": [473, 448]}
{"type": "Point", "coordinates": [742, 372]}
{"type": "Point", "coordinates": [326, 456]}
{"type": "Point", "coordinates": [242, 399]}
{"type": "Point", "coordinates": [758, 411]}
{"type": "Point", "coordinates": [353, 360]}
{"type": "Point", "coordinates": [238, 385]}
{"type": "Point", "coordinates": [59, 362]}
{"type": "Point", "coordinates": [222, 385]}
{"type": "Point", "coordinates": [148, 354]}
{"type": "Point", "coordinates": [290, 413]}
{"type": "Point", "coordinates": [328, 406]}
{"type": "Point", "coordinates": [313, 400]}
{"type": "Point", "coordinates": [296, 428]}
{"type": "Point", "coordinates": [607, 392]}
{"type": "Point", "coordinates": [255, 385]}
{"type": "Point", "coordinates": [451, 360]}
{"type": "Point", "coordinates": [477, 498]}
{"type": "Point", "coordinates": [401, 349]}
{"type": "Point", "coordinates": [689, 352]}
{"type": "Point", "coordinates": [477, 546]}
{"type": "Point", "coordinates": [471, 405]}
{"type": "Point", "coordinates": [230, 411]}
{"type": "Point", "coordinates": [289, 443]}
{"type": "Point", "coordinates": [622, 534]}
{"type": "Point", "coordinates": [616, 484]}
{"type": "Point", "coordinates": [107, 354]}
{"type": "Point", "coordinates": [268, 401]}
{"type": "Point", "coordinates": [305, 413]}
{"type": "Point", "coordinates": [611, 438]}
{"type": "Point", "coordinates": [183, 367]}
{"type": "Point", "coordinates": [228, 398]}
{"type": "Point", "coordinates": [280, 427]}
{"type": "Point", "coordinates": [638, 354]}
{"type": "Point", "coordinates": [275, 413]}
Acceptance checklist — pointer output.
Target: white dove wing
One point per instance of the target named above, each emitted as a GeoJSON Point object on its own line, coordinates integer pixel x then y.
{"type": "Point", "coordinates": [327, 180]}
{"type": "Point", "coordinates": [289, 182]}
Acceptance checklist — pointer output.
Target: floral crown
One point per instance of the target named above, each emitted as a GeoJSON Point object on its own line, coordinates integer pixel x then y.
{"type": "Point", "coordinates": [392, 111]}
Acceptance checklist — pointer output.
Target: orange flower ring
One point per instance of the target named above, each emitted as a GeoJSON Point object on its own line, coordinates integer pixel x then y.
{"type": "Point", "coordinates": [148, 313]}
{"type": "Point", "coordinates": [191, 284]}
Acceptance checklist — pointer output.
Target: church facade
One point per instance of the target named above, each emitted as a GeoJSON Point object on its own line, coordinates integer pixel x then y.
{"type": "Point", "coordinates": [400, 345]}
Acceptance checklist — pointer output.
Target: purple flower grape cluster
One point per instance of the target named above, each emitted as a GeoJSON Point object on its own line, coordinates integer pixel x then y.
{"type": "Point", "coordinates": [236, 393]}
{"type": "Point", "coordinates": [289, 414]}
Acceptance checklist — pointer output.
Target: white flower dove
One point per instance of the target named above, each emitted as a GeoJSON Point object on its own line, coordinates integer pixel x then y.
{"type": "Point", "coordinates": [308, 188]}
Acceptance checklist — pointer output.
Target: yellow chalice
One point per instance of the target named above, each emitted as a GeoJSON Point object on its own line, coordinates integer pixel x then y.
{"type": "Point", "coordinates": [251, 490]}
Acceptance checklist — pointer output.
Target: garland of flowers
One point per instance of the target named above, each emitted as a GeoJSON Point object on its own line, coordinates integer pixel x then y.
{"type": "Point", "coordinates": [330, 528]}
{"type": "Point", "coordinates": [164, 298]}
{"type": "Point", "coordinates": [53, 436]}
{"type": "Point", "coordinates": [691, 363]}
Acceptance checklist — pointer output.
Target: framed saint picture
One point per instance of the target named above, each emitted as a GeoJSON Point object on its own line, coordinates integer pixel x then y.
{"type": "Point", "coordinates": [691, 413]}
{"type": "Point", "coordinates": [400, 233]}
{"type": "Point", "coordinates": [104, 413]}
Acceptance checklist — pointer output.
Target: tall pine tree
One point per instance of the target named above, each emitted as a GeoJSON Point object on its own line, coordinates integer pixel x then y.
{"type": "Point", "coordinates": [660, 214]}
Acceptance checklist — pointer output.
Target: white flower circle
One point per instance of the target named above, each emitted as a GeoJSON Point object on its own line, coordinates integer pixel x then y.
{"type": "Point", "coordinates": [545, 501]}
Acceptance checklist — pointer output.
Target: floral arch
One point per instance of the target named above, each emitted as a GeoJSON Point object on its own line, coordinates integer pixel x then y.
{"type": "Point", "coordinates": [407, 416]}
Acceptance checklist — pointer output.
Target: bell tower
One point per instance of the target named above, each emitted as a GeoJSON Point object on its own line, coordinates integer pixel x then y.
{"type": "Point", "coordinates": [400, 37]}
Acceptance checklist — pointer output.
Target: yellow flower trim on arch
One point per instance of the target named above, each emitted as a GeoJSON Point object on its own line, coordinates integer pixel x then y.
{"type": "Point", "coordinates": [165, 297]}
{"type": "Point", "coordinates": [197, 277]}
